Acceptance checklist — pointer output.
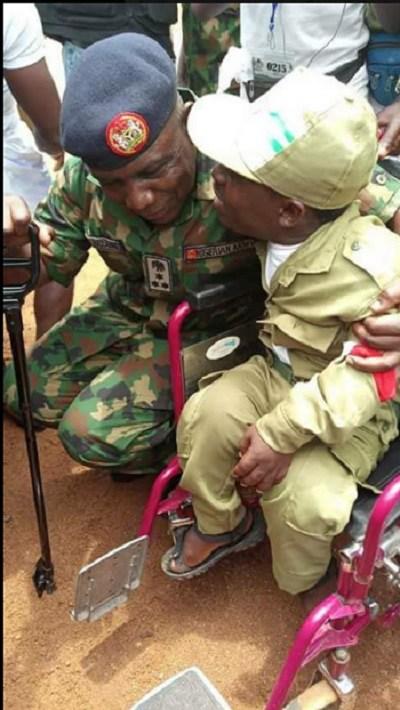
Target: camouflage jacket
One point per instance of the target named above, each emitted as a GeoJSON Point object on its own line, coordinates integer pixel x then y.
{"type": "Point", "coordinates": [150, 267]}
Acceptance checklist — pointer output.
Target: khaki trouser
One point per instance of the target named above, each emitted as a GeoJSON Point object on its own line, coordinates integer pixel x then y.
{"type": "Point", "coordinates": [304, 512]}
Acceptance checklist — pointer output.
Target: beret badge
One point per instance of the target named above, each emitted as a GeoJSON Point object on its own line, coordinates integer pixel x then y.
{"type": "Point", "coordinates": [127, 133]}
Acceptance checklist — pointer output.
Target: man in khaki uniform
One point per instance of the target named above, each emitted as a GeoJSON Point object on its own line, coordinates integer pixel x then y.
{"type": "Point", "coordinates": [297, 424]}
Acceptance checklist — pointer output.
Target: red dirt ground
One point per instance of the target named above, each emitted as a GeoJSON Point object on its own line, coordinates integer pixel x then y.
{"type": "Point", "coordinates": [233, 623]}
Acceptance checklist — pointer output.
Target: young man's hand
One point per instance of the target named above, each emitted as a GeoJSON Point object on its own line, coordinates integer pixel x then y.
{"type": "Point", "coordinates": [260, 466]}
{"type": "Point", "coordinates": [381, 331]}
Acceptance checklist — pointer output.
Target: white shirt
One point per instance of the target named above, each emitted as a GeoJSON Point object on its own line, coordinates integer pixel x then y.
{"type": "Point", "coordinates": [277, 255]}
{"type": "Point", "coordinates": [24, 170]}
{"type": "Point", "coordinates": [323, 36]}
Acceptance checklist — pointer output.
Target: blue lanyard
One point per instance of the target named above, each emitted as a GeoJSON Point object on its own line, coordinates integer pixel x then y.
{"type": "Point", "coordinates": [272, 18]}
{"type": "Point", "coordinates": [270, 39]}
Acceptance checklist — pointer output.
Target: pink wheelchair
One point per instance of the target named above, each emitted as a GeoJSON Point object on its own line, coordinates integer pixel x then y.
{"type": "Point", "coordinates": [336, 623]}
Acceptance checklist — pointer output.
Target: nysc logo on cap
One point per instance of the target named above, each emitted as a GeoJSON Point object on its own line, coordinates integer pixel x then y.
{"type": "Point", "coordinates": [127, 133]}
{"type": "Point", "coordinates": [280, 132]}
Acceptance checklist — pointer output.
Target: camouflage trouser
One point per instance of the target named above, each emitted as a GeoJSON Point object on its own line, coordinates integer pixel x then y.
{"type": "Point", "coordinates": [104, 381]}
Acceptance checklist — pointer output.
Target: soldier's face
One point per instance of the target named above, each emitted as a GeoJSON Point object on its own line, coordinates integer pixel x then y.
{"type": "Point", "coordinates": [155, 185]}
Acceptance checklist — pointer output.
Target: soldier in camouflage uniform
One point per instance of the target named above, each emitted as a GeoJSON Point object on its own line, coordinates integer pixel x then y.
{"type": "Point", "coordinates": [204, 46]}
{"type": "Point", "coordinates": [137, 195]}
{"type": "Point", "coordinates": [101, 375]}
{"type": "Point", "coordinates": [382, 196]}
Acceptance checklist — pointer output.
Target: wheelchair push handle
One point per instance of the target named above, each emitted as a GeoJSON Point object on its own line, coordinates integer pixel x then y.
{"type": "Point", "coordinates": [32, 264]}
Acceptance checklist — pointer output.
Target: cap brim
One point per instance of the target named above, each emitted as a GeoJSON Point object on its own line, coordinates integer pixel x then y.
{"type": "Point", "coordinates": [214, 124]}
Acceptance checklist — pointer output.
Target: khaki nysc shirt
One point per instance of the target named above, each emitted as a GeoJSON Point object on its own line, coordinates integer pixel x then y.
{"type": "Point", "coordinates": [151, 267]}
{"type": "Point", "coordinates": [326, 285]}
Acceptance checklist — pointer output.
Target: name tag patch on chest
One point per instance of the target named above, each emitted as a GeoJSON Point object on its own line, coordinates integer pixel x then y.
{"type": "Point", "coordinates": [214, 251]}
{"type": "Point", "coordinates": [158, 272]}
{"type": "Point", "coordinates": [106, 244]}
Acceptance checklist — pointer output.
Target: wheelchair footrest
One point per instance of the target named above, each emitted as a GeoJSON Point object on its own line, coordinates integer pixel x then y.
{"type": "Point", "coordinates": [105, 583]}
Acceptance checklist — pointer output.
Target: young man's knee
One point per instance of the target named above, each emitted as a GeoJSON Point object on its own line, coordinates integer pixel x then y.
{"type": "Point", "coordinates": [209, 412]}
{"type": "Point", "coordinates": [319, 514]}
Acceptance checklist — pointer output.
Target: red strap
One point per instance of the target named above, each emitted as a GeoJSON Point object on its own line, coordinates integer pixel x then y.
{"type": "Point", "coordinates": [386, 382]}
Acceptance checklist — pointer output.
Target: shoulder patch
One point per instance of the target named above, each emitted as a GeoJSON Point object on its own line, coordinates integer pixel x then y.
{"type": "Point", "coordinates": [377, 251]}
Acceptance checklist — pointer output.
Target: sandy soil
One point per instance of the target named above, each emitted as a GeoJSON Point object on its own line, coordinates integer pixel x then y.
{"type": "Point", "coordinates": [233, 623]}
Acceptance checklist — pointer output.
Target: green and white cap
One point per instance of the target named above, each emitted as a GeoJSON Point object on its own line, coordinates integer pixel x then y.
{"type": "Point", "coordinates": [310, 137]}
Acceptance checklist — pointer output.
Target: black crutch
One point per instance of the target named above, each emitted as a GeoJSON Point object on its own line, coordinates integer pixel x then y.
{"type": "Point", "coordinates": [13, 299]}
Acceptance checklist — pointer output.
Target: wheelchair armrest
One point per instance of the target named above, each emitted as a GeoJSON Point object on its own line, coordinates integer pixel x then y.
{"type": "Point", "coordinates": [218, 293]}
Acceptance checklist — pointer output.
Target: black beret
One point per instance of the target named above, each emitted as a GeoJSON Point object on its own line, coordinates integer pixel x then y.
{"type": "Point", "coordinates": [117, 99]}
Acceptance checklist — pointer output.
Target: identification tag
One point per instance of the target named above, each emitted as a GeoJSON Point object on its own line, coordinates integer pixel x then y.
{"type": "Point", "coordinates": [272, 65]}
{"type": "Point", "coordinates": [106, 244]}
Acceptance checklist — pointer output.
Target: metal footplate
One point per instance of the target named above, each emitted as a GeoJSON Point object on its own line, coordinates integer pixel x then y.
{"type": "Point", "coordinates": [105, 584]}
{"type": "Point", "coordinates": [188, 690]}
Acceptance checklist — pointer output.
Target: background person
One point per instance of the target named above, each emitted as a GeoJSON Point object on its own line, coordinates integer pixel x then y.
{"type": "Point", "coordinates": [204, 45]}
{"type": "Point", "coordinates": [28, 83]}
{"type": "Point", "coordinates": [78, 25]}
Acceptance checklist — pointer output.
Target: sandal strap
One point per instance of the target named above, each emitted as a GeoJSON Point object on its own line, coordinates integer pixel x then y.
{"type": "Point", "coordinates": [229, 537]}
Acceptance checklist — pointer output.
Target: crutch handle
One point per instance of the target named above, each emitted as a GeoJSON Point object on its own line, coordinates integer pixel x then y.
{"type": "Point", "coordinates": [32, 263]}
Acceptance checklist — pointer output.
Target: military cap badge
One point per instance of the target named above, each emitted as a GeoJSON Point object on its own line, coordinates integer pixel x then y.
{"type": "Point", "coordinates": [127, 133]}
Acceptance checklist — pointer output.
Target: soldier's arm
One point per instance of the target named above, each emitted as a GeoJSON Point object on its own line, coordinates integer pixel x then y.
{"type": "Point", "coordinates": [63, 211]}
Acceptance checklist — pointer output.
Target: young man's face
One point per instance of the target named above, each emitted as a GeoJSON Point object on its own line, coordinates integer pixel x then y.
{"type": "Point", "coordinates": [246, 207]}
{"type": "Point", "coordinates": [155, 185]}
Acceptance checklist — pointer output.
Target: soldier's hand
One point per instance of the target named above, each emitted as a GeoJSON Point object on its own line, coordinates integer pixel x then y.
{"type": "Point", "coordinates": [389, 123]}
{"type": "Point", "coordinates": [16, 219]}
{"type": "Point", "coordinates": [381, 331]}
{"type": "Point", "coordinates": [260, 466]}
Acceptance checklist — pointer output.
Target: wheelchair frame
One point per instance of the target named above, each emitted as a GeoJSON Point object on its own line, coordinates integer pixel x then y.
{"type": "Point", "coordinates": [333, 626]}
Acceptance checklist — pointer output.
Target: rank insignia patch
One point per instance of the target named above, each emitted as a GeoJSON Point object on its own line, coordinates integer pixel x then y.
{"type": "Point", "coordinates": [127, 133]}
{"type": "Point", "coordinates": [158, 273]}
